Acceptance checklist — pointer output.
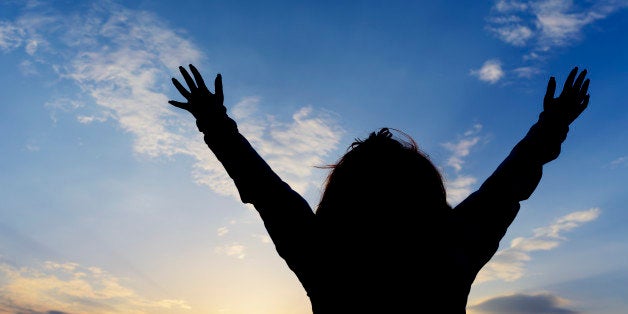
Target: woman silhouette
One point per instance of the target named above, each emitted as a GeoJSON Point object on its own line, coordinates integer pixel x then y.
{"type": "Point", "coordinates": [383, 238]}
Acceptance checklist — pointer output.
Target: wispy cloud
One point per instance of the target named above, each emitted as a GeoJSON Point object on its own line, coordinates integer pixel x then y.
{"type": "Point", "coordinates": [537, 27]}
{"type": "Point", "coordinates": [512, 33]}
{"type": "Point", "coordinates": [27, 68]}
{"type": "Point", "coordinates": [61, 105]}
{"type": "Point", "coordinates": [291, 148]}
{"type": "Point", "coordinates": [509, 264]}
{"type": "Point", "coordinates": [527, 71]}
{"type": "Point", "coordinates": [222, 231]}
{"type": "Point", "coordinates": [235, 249]}
{"type": "Point", "coordinates": [620, 161]}
{"type": "Point", "coordinates": [264, 238]}
{"type": "Point", "coordinates": [462, 147]}
{"type": "Point", "coordinates": [542, 25]}
{"type": "Point", "coordinates": [69, 287]}
{"type": "Point", "coordinates": [523, 303]}
{"type": "Point", "coordinates": [491, 71]}
{"type": "Point", "coordinates": [10, 36]}
{"type": "Point", "coordinates": [510, 5]}
{"type": "Point", "coordinates": [460, 186]}
{"type": "Point", "coordinates": [89, 119]}
{"type": "Point", "coordinates": [32, 146]}
{"type": "Point", "coordinates": [123, 59]}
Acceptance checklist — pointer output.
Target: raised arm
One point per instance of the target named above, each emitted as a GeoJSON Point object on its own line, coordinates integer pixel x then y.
{"type": "Point", "coordinates": [286, 215]}
{"type": "Point", "coordinates": [486, 214]}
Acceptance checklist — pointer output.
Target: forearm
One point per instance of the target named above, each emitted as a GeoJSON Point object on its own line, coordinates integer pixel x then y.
{"type": "Point", "coordinates": [252, 176]}
{"type": "Point", "coordinates": [485, 215]}
{"type": "Point", "coordinates": [519, 174]}
{"type": "Point", "coordinates": [287, 217]}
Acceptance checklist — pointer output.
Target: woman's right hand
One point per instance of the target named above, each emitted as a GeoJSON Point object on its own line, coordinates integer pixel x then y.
{"type": "Point", "coordinates": [572, 100]}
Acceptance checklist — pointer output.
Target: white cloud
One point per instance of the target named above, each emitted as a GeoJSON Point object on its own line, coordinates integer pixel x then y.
{"type": "Point", "coordinates": [123, 59]}
{"type": "Point", "coordinates": [515, 34]}
{"type": "Point", "coordinates": [459, 150]}
{"type": "Point", "coordinates": [72, 288]}
{"type": "Point", "coordinates": [540, 26]}
{"type": "Point", "coordinates": [26, 31]}
{"type": "Point", "coordinates": [291, 148]}
{"type": "Point", "coordinates": [234, 250]}
{"type": "Point", "coordinates": [31, 46]}
{"type": "Point", "coordinates": [11, 36]}
{"type": "Point", "coordinates": [531, 56]}
{"type": "Point", "coordinates": [623, 160]}
{"type": "Point", "coordinates": [462, 147]}
{"type": "Point", "coordinates": [27, 68]}
{"type": "Point", "coordinates": [526, 72]}
{"type": "Point", "coordinates": [264, 238]}
{"type": "Point", "coordinates": [32, 147]}
{"type": "Point", "coordinates": [460, 186]}
{"type": "Point", "coordinates": [61, 105]}
{"type": "Point", "coordinates": [551, 22]}
{"type": "Point", "coordinates": [510, 6]}
{"type": "Point", "coordinates": [89, 119]}
{"type": "Point", "coordinates": [491, 71]}
{"type": "Point", "coordinates": [509, 264]}
{"type": "Point", "coordinates": [222, 231]}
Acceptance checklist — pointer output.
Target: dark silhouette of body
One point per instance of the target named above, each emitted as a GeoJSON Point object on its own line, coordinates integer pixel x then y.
{"type": "Point", "coordinates": [383, 238]}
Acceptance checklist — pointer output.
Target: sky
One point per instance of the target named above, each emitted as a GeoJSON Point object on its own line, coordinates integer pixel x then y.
{"type": "Point", "coordinates": [111, 203]}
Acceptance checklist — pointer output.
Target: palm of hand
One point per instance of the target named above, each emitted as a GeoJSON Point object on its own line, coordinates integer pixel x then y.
{"type": "Point", "coordinates": [572, 100]}
{"type": "Point", "coordinates": [201, 103]}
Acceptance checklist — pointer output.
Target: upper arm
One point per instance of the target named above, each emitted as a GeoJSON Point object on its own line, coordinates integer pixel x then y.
{"type": "Point", "coordinates": [288, 218]}
{"type": "Point", "coordinates": [481, 221]}
{"type": "Point", "coordinates": [291, 224]}
{"type": "Point", "coordinates": [483, 218]}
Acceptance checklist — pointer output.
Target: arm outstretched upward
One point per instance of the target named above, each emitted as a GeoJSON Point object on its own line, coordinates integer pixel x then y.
{"type": "Point", "coordinates": [287, 217]}
{"type": "Point", "coordinates": [483, 217]}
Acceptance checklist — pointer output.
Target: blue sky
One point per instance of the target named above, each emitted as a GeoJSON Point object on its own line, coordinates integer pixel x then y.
{"type": "Point", "coordinates": [111, 203]}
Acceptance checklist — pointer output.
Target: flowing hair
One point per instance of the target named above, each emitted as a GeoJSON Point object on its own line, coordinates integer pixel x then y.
{"type": "Point", "coordinates": [380, 171]}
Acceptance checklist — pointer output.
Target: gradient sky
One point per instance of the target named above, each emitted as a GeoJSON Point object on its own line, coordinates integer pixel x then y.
{"type": "Point", "coordinates": [111, 203]}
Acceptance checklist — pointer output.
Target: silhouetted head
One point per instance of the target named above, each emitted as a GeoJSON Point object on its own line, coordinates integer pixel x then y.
{"type": "Point", "coordinates": [382, 180]}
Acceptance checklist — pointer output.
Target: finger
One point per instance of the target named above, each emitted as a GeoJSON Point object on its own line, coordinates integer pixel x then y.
{"type": "Point", "coordinates": [218, 87]}
{"type": "Point", "coordinates": [578, 84]}
{"type": "Point", "coordinates": [188, 79]}
{"type": "Point", "coordinates": [181, 89]}
{"type": "Point", "coordinates": [181, 105]}
{"type": "Point", "coordinates": [199, 79]}
{"type": "Point", "coordinates": [584, 89]}
{"type": "Point", "coordinates": [581, 107]}
{"type": "Point", "coordinates": [570, 78]}
{"type": "Point", "coordinates": [551, 89]}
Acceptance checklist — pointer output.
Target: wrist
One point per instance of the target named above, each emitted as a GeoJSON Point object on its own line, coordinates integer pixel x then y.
{"type": "Point", "coordinates": [222, 125]}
